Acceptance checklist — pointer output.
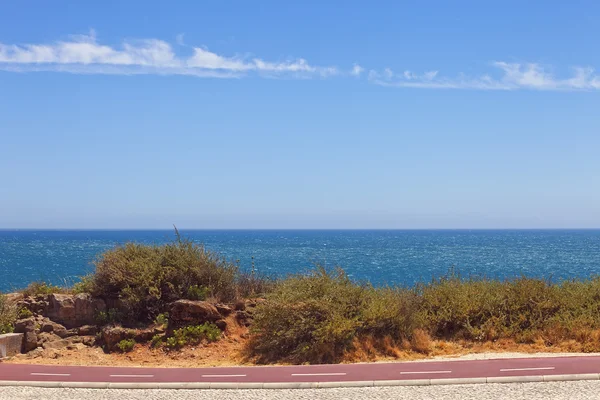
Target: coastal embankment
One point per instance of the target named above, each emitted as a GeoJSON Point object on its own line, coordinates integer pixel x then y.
{"type": "Point", "coordinates": [178, 304]}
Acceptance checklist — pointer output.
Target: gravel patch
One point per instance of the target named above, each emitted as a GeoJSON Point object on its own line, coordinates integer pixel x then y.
{"type": "Point", "coordinates": [578, 390]}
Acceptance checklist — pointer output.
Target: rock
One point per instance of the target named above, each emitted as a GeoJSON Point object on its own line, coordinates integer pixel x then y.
{"type": "Point", "coordinates": [243, 318]}
{"type": "Point", "coordinates": [145, 335]}
{"type": "Point", "coordinates": [223, 309]}
{"type": "Point", "coordinates": [25, 325]}
{"type": "Point", "coordinates": [112, 335]}
{"type": "Point", "coordinates": [76, 346]}
{"type": "Point", "coordinates": [74, 310]}
{"type": "Point", "coordinates": [51, 353]}
{"type": "Point", "coordinates": [87, 330]}
{"type": "Point", "coordinates": [13, 298]}
{"type": "Point", "coordinates": [190, 312]}
{"type": "Point", "coordinates": [56, 328]}
{"type": "Point", "coordinates": [57, 345]}
{"type": "Point", "coordinates": [35, 353]}
{"type": "Point", "coordinates": [45, 337]}
{"type": "Point", "coordinates": [30, 341]}
{"type": "Point", "coordinates": [33, 304]}
{"type": "Point", "coordinates": [221, 324]}
{"type": "Point", "coordinates": [88, 340]}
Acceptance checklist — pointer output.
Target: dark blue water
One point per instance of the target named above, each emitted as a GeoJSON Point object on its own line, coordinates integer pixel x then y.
{"type": "Point", "coordinates": [383, 257]}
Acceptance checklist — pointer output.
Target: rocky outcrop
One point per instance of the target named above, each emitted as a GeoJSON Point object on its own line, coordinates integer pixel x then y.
{"type": "Point", "coordinates": [56, 328]}
{"type": "Point", "coordinates": [27, 326]}
{"type": "Point", "coordinates": [190, 312]}
{"type": "Point", "coordinates": [74, 310]}
{"type": "Point", "coordinates": [223, 309]}
{"type": "Point", "coordinates": [87, 330]}
{"type": "Point", "coordinates": [112, 335]}
{"type": "Point", "coordinates": [243, 318]}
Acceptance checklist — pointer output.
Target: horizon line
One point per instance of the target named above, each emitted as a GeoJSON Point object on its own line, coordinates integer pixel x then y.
{"type": "Point", "coordinates": [300, 229]}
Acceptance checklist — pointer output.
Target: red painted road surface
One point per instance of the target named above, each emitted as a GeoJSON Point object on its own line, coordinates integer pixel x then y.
{"type": "Point", "coordinates": [313, 373]}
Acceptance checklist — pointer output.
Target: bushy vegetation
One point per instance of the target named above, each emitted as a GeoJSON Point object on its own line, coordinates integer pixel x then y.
{"type": "Point", "coordinates": [110, 316]}
{"type": "Point", "coordinates": [196, 292]}
{"type": "Point", "coordinates": [322, 316]}
{"type": "Point", "coordinates": [316, 317]}
{"type": "Point", "coordinates": [126, 345]}
{"type": "Point", "coordinates": [162, 319]}
{"type": "Point", "coordinates": [24, 313]}
{"type": "Point", "coordinates": [42, 288]}
{"type": "Point", "coordinates": [156, 341]}
{"type": "Point", "coordinates": [8, 315]}
{"type": "Point", "coordinates": [192, 335]}
{"type": "Point", "coordinates": [145, 278]}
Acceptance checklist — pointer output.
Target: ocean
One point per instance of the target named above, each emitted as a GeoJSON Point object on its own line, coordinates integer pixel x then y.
{"type": "Point", "coordinates": [383, 257]}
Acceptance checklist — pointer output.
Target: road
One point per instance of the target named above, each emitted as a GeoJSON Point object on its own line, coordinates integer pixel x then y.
{"type": "Point", "coordinates": [314, 373]}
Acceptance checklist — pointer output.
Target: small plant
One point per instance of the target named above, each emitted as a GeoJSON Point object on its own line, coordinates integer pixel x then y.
{"type": "Point", "coordinates": [8, 315]}
{"type": "Point", "coordinates": [85, 285]}
{"type": "Point", "coordinates": [196, 292]}
{"type": "Point", "coordinates": [41, 288]}
{"type": "Point", "coordinates": [5, 328]}
{"type": "Point", "coordinates": [108, 317]}
{"type": "Point", "coordinates": [173, 343]}
{"type": "Point", "coordinates": [25, 313]}
{"type": "Point", "coordinates": [126, 345]}
{"type": "Point", "coordinates": [162, 319]}
{"type": "Point", "coordinates": [191, 335]}
{"type": "Point", "coordinates": [157, 341]}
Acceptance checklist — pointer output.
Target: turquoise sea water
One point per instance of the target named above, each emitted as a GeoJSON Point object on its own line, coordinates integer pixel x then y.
{"type": "Point", "coordinates": [382, 257]}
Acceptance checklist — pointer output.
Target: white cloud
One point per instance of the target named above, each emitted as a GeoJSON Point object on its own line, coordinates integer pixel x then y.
{"type": "Point", "coordinates": [357, 70]}
{"type": "Point", "coordinates": [83, 54]}
{"type": "Point", "coordinates": [509, 76]}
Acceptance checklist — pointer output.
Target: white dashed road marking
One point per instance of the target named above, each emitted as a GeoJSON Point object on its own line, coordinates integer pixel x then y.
{"type": "Point", "coordinates": [323, 374]}
{"type": "Point", "coordinates": [525, 369]}
{"type": "Point", "coordinates": [424, 372]}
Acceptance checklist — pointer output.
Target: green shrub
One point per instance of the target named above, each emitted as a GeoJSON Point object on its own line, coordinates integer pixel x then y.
{"type": "Point", "coordinates": [25, 313]}
{"type": "Point", "coordinates": [310, 318]}
{"type": "Point", "coordinates": [126, 345]}
{"type": "Point", "coordinates": [85, 285]}
{"type": "Point", "coordinates": [111, 316]}
{"type": "Point", "coordinates": [192, 335]}
{"type": "Point", "coordinates": [156, 341]}
{"type": "Point", "coordinates": [162, 319]}
{"type": "Point", "coordinates": [42, 288]}
{"type": "Point", "coordinates": [8, 315]}
{"type": "Point", "coordinates": [196, 292]}
{"type": "Point", "coordinates": [252, 284]}
{"type": "Point", "coordinates": [146, 278]}
{"type": "Point", "coordinates": [391, 312]}
{"type": "Point", "coordinates": [321, 316]}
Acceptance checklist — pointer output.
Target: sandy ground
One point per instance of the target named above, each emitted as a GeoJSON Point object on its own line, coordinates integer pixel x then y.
{"type": "Point", "coordinates": [228, 352]}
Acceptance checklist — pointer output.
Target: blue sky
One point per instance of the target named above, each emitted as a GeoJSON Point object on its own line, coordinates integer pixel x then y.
{"type": "Point", "coordinates": [271, 114]}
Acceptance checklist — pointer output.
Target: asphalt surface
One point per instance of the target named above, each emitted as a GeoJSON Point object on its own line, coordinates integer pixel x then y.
{"type": "Point", "coordinates": [314, 373]}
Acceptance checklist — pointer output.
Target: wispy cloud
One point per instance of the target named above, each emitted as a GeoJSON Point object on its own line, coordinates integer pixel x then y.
{"type": "Point", "coordinates": [83, 54]}
{"type": "Point", "coordinates": [506, 76]}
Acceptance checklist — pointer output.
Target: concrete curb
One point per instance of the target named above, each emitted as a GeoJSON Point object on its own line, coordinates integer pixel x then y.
{"type": "Point", "coordinates": [301, 385]}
